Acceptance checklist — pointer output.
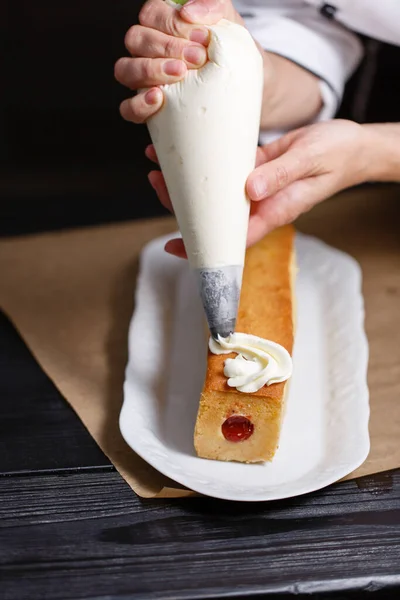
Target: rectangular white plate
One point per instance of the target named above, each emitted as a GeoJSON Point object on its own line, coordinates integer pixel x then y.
{"type": "Point", "coordinates": [325, 431]}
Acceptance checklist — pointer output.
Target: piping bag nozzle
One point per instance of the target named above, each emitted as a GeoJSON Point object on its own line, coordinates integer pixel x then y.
{"type": "Point", "coordinates": [220, 294]}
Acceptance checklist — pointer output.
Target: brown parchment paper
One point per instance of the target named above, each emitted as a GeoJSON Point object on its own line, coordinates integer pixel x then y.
{"type": "Point", "coordinates": [71, 296]}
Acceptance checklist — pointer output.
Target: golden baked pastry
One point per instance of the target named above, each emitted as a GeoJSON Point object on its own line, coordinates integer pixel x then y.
{"type": "Point", "coordinates": [236, 426]}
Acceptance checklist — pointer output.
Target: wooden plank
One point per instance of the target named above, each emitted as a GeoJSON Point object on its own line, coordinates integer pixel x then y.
{"type": "Point", "coordinates": [88, 536]}
{"type": "Point", "coordinates": [38, 429]}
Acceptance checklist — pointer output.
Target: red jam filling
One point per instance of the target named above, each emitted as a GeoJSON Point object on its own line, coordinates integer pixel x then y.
{"type": "Point", "coordinates": [237, 429]}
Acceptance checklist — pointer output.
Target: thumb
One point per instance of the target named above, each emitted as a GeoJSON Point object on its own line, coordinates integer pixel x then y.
{"type": "Point", "coordinates": [207, 12]}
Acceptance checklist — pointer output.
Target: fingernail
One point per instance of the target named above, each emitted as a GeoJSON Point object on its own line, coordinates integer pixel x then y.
{"type": "Point", "coordinates": [201, 36]}
{"type": "Point", "coordinates": [168, 248]}
{"type": "Point", "coordinates": [196, 55]}
{"type": "Point", "coordinates": [174, 67]}
{"type": "Point", "coordinates": [150, 177]}
{"type": "Point", "coordinates": [151, 97]}
{"type": "Point", "coordinates": [195, 10]}
{"type": "Point", "coordinates": [259, 187]}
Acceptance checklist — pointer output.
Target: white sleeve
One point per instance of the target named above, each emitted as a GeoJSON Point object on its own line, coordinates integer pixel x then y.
{"type": "Point", "coordinates": [297, 31]}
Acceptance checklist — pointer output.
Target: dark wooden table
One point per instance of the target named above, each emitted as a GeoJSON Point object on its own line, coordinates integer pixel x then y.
{"type": "Point", "coordinates": [71, 528]}
{"type": "Point", "coordinates": [69, 525]}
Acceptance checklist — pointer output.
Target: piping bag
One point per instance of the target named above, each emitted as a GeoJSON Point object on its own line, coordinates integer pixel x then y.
{"type": "Point", "coordinates": [205, 136]}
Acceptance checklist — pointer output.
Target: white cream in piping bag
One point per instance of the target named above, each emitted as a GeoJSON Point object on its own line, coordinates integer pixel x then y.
{"type": "Point", "coordinates": [258, 362]}
{"type": "Point", "coordinates": [205, 136]}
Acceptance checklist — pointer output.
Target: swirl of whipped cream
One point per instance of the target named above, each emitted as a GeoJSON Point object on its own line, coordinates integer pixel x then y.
{"type": "Point", "coordinates": [258, 362]}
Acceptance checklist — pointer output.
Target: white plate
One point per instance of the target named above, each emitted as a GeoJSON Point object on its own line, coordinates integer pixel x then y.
{"type": "Point", "coordinates": [325, 431]}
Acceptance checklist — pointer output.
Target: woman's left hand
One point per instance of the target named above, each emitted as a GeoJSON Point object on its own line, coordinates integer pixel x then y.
{"type": "Point", "coordinates": [293, 174]}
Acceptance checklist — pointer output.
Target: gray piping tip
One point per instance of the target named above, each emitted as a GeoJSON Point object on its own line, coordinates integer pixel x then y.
{"type": "Point", "coordinates": [220, 294]}
{"type": "Point", "coordinates": [223, 330]}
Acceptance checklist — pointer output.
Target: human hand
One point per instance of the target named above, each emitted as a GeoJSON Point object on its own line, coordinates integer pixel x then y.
{"type": "Point", "coordinates": [303, 168]}
{"type": "Point", "coordinates": [164, 45]}
{"type": "Point", "coordinates": [293, 174]}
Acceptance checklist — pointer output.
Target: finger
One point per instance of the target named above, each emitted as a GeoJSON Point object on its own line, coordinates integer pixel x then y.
{"type": "Point", "coordinates": [279, 146]}
{"type": "Point", "coordinates": [285, 206]}
{"type": "Point", "coordinates": [141, 107]}
{"type": "Point", "coordinates": [149, 43]}
{"type": "Point", "coordinates": [209, 12]}
{"type": "Point", "coordinates": [136, 73]}
{"type": "Point", "coordinates": [273, 176]}
{"type": "Point", "coordinates": [156, 14]}
{"type": "Point", "coordinates": [176, 247]}
{"type": "Point", "coordinates": [260, 157]}
{"type": "Point", "coordinates": [272, 150]}
{"type": "Point", "coordinates": [150, 153]}
{"type": "Point", "coordinates": [157, 182]}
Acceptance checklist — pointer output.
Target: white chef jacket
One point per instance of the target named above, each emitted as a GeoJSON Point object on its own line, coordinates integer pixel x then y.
{"type": "Point", "coordinates": [321, 37]}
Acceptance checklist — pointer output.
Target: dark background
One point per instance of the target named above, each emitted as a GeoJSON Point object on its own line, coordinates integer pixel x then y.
{"type": "Point", "coordinates": [66, 156]}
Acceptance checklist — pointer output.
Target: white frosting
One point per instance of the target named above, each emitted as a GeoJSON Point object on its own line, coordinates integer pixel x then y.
{"type": "Point", "coordinates": [205, 136]}
{"type": "Point", "coordinates": [258, 362]}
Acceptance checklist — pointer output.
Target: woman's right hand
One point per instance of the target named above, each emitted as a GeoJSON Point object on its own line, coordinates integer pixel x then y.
{"type": "Point", "coordinates": [164, 45]}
